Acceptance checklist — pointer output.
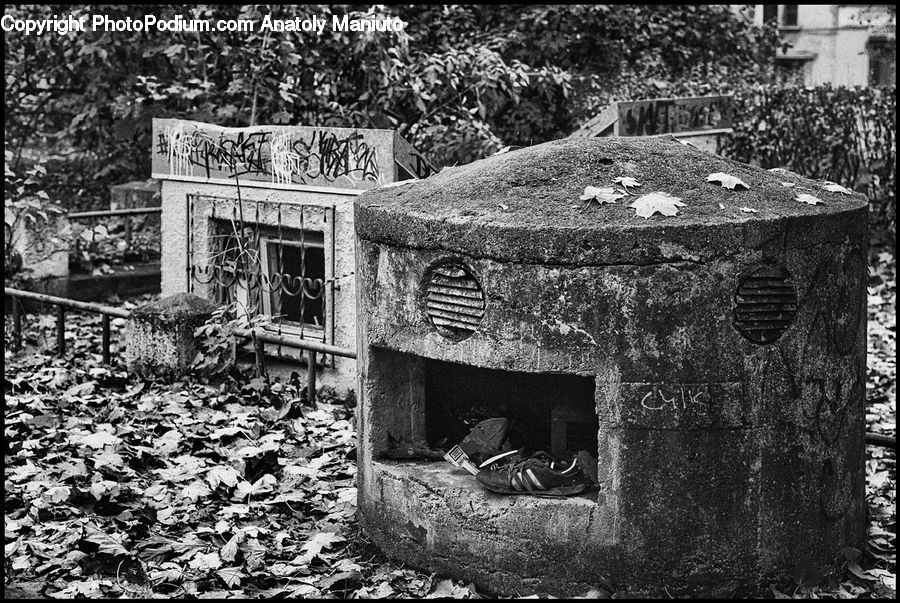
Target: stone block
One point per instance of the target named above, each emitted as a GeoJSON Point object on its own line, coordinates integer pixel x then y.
{"type": "Point", "coordinates": [160, 335]}
{"type": "Point", "coordinates": [138, 193]}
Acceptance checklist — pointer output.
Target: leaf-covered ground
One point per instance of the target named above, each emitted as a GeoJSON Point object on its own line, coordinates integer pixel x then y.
{"type": "Point", "coordinates": [117, 487]}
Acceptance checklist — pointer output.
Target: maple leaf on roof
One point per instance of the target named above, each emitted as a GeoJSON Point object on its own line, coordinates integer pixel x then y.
{"type": "Point", "coordinates": [809, 199]}
{"type": "Point", "coordinates": [601, 195]}
{"type": "Point", "coordinates": [657, 202]}
{"type": "Point", "coordinates": [726, 180]}
{"type": "Point", "coordinates": [834, 187]}
{"type": "Point", "coordinates": [626, 181]}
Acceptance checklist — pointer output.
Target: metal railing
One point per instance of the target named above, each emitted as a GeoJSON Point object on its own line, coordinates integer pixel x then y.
{"type": "Point", "coordinates": [259, 338]}
{"type": "Point", "coordinates": [61, 304]}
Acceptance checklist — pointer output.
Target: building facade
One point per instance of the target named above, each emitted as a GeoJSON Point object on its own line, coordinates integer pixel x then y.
{"type": "Point", "coordinates": [838, 44]}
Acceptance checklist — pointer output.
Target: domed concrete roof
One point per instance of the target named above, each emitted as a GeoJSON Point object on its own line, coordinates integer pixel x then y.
{"type": "Point", "coordinates": [524, 205]}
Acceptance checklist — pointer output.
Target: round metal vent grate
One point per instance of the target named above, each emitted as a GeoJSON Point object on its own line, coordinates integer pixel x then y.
{"type": "Point", "coordinates": [454, 301]}
{"type": "Point", "coordinates": [765, 304]}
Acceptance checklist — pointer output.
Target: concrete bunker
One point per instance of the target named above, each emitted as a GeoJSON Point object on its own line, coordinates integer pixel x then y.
{"type": "Point", "coordinates": [720, 355]}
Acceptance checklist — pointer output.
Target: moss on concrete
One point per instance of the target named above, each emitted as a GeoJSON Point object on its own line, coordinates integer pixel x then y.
{"type": "Point", "coordinates": [160, 336]}
{"type": "Point", "coordinates": [178, 305]}
{"type": "Point", "coordinates": [535, 193]}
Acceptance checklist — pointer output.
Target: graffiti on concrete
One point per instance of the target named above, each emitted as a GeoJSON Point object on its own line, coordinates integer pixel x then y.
{"type": "Point", "coordinates": [282, 155]}
{"type": "Point", "coordinates": [675, 115]}
{"type": "Point", "coordinates": [658, 399]}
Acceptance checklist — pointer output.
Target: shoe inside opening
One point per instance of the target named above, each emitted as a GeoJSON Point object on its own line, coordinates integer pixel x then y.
{"type": "Point", "coordinates": [549, 412]}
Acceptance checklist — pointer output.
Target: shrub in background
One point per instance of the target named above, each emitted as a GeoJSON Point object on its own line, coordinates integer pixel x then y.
{"type": "Point", "coordinates": [846, 135]}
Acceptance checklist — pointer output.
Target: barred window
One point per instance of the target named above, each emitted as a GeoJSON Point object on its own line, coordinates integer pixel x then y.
{"type": "Point", "coordinates": [272, 271]}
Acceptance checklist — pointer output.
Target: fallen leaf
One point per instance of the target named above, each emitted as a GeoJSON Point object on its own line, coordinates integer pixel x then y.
{"type": "Point", "coordinates": [224, 474]}
{"type": "Point", "coordinates": [231, 576]}
{"type": "Point", "coordinates": [726, 180]}
{"type": "Point", "coordinates": [809, 199]}
{"type": "Point", "coordinates": [834, 187]}
{"type": "Point", "coordinates": [57, 494]}
{"type": "Point", "coordinates": [626, 181]}
{"type": "Point", "coordinates": [106, 543]}
{"type": "Point", "coordinates": [314, 546]}
{"type": "Point", "coordinates": [860, 573]}
{"type": "Point", "coordinates": [263, 484]}
{"type": "Point", "coordinates": [195, 490]}
{"type": "Point", "coordinates": [205, 561]}
{"type": "Point", "coordinates": [228, 552]}
{"type": "Point", "coordinates": [659, 202]}
{"type": "Point", "coordinates": [601, 195]}
{"type": "Point", "coordinates": [97, 440]}
{"type": "Point", "coordinates": [721, 206]}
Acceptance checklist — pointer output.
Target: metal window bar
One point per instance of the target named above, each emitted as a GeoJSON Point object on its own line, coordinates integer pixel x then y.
{"type": "Point", "coordinates": [259, 266]}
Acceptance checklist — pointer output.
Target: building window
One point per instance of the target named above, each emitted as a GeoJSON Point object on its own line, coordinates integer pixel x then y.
{"type": "Point", "coordinates": [274, 272]}
{"type": "Point", "coordinates": [882, 62]}
{"type": "Point", "coordinates": [789, 15]}
{"type": "Point", "coordinates": [770, 12]}
{"type": "Point", "coordinates": [296, 269]}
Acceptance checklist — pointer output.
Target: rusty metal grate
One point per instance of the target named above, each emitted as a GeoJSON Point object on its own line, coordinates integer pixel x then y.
{"type": "Point", "coordinates": [765, 304]}
{"type": "Point", "coordinates": [454, 301]}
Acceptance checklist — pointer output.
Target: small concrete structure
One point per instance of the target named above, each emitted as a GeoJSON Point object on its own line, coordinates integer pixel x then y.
{"type": "Point", "coordinates": [296, 186]}
{"type": "Point", "coordinates": [160, 338]}
{"type": "Point", "coordinates": [137, 193]}
{"type": "Point", "coordinates": [722, 353]}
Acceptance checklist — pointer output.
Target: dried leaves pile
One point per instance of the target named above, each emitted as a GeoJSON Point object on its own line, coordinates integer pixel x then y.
{"type": "Point", "coordinates": [117, 487]}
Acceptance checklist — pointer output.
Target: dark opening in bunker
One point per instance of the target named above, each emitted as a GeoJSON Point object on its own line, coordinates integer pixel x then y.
{"type": "Point", "coordinates": [550, 412]}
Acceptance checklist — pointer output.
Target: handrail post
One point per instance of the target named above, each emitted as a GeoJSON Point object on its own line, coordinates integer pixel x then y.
{"type": "Point", "coordinates": [260, 356]}
{"type": "Point", "coordinates": [128, 231]}
{"type": "Point", "coordinates": [60, 330]}
{"type": "Point", "coordinates": [105, 344]}
{"type": "Point", "coordinates": [17, 324]}
{"type": "Point", "coordinates": [311, 377]}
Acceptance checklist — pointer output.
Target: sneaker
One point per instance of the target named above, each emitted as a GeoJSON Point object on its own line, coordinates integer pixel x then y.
{"type": "Point", "coordinates": [534, 475]}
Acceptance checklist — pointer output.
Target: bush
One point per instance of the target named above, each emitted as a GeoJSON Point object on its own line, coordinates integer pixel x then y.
{"type": "Point", "coordinates": [840, 134]}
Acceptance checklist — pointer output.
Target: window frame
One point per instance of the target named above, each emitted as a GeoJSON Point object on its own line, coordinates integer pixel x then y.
{"type": "Point", "coordinates": [292, 327]}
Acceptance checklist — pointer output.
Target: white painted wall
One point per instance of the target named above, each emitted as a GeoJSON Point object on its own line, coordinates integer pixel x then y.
{"type": "Point", "coordinates": [174, 261]}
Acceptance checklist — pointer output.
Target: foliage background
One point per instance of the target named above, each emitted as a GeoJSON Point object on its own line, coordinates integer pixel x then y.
{"type": "Point", "coordinates": [459, 82]}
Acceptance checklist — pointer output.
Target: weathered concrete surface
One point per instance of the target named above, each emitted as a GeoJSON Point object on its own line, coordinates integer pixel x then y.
{"type": "Point", "coordinates": [724, 463]}
{"type": "Point", "coordinates": [137, 193]}
{"type": "Point", "coordinates": [160, 335]}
